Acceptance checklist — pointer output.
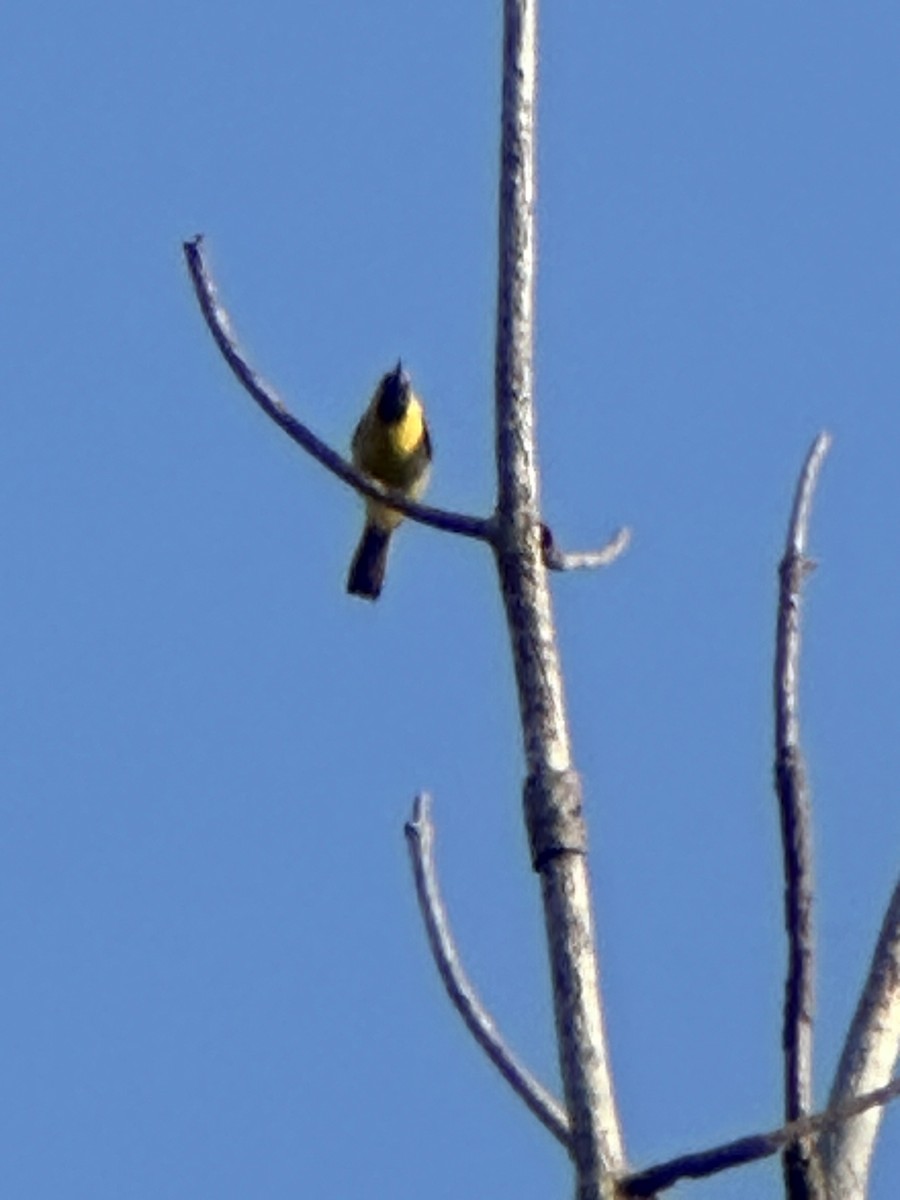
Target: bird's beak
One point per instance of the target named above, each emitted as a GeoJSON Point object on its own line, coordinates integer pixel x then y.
{"type": "Point", "coordinates": [403, 380]}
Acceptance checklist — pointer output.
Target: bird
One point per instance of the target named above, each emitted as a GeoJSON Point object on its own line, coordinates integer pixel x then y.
{"type": "Point", "coordinates": [391, 444]}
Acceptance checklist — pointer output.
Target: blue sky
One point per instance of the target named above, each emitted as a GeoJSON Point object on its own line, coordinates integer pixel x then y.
{"type": "Point", "coordinates": [215, 980]}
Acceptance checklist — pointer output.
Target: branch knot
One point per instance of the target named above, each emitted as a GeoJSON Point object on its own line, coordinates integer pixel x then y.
{"type": "Point", "coordinates": [553, 815]}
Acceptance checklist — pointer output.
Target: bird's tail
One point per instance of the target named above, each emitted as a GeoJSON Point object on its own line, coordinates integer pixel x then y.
{"type": "Point", "coordinates": [369, 562]}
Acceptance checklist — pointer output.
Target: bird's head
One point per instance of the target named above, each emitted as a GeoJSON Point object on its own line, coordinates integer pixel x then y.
{"type": "Point", "coordinates": [394, 394]}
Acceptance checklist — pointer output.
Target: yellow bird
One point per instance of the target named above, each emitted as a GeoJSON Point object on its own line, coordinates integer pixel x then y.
{"type": "Point", "coordinates": [392, 444]}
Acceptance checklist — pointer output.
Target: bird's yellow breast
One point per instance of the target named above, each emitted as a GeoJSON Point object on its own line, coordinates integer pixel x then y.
{"type": "Point", "coordinates": [407, 433]}
{"type": "Point", "coordinates": [395, 453]}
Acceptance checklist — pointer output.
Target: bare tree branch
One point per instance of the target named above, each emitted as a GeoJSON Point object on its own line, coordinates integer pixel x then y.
{"type": "Point", "coordinates": [750, 1149]}
{"type": "Point", "coordinates": [556, 559]}
{"type": "Point", "coordinates": [420, 840]}
{"type": "Point", "coordinates": [868, 1060]}
{"type": "Point", "coordinates": [219, 324]}
{"type": "Point", "coordinates": [552, 789]}
{"type": "Point", "coordinates": [801, 1170]}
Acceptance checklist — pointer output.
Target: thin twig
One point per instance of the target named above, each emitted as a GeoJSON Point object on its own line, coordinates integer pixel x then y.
{"type": "Point", "coordinates": [556, 559]}
{"type": "Point", "coordinates": [800, 1168]}
{"type": "Point", "coordinates": [868, 1059]}
{"type": "Point", "coordinates": [749, 1149]}
{"type": "Point", "coordinates": [219, 324]}
{"type": "Point", "coordinates": [420, 840]}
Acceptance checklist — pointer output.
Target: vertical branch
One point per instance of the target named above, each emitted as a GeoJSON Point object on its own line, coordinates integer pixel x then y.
{"type": "Point", "coordinates": [552, 789]}
{"type": "Point", "coordinates": [867, 1062]}
{"type": "Point", "coordinates": [800, 1170]}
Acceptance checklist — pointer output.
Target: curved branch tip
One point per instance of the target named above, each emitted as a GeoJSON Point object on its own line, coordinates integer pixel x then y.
{"type": "Point", "coordinates": [420, 841]}
{"type": "Point", "coordinates": [556, 559]}
{"type": "Point", "coordinates": [420, 826]}
{"type": "Point", "coordinates": [798, 528]}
